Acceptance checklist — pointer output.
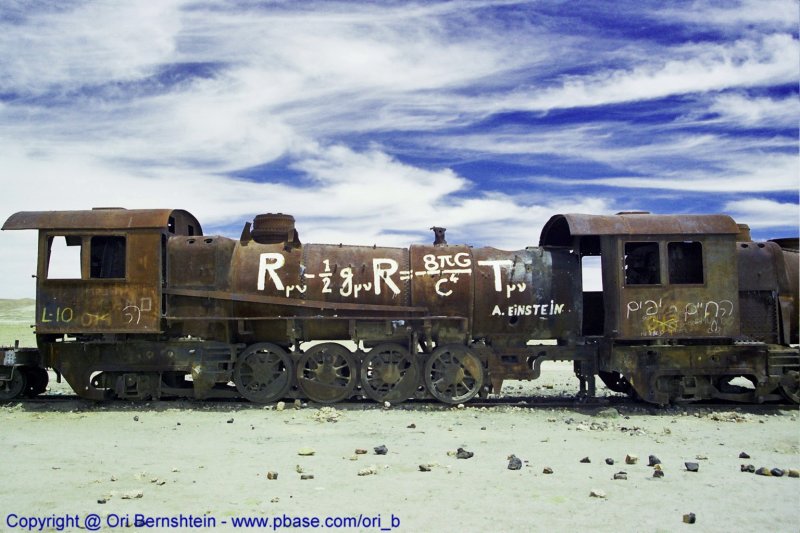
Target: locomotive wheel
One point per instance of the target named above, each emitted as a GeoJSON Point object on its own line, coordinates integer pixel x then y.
{"type": "Point", "coordinates": [389, 373]}
{"type": "Point", "coordinates": [14, 387]}
{"type": "Point", "coordinates": [326, 373]}
{"type": "Point", "coordinates": [263, 373]}
{"type": "Point", "coordinates": [790, 386]}
{"type": "Point", "coordinates": [37, 381]}
{"type": "Point", "coordinates": [453, 374]}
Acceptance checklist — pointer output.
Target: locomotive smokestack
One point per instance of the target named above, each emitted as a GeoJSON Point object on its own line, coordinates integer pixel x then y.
{"type": "Point", "coordinates": [438, 236]}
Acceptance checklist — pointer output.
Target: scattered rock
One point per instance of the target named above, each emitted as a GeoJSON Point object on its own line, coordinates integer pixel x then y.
{"type": "Point", "coordinates": [113, 478]}
{"type": "Point", "coordinates": [621, 475]}
{"type": "Point", "coordinates": [547, 470]}
{"type": "Point", "coordinates": [607, 413]}
{"type": "Point", "coordinates": [381, 450]}
{"type": "Point", "coordinates": [460, 406]}
{"type": "Point", "coordinates": [101, 500]}
{"type": "Point", "coordinates": [586, 460]}
{"type": "Point", "coordinates": [744, 455]}
{"type": "Point", "coordinates": [136, 418]}
{"type": "Point", "coordinates": [597, 493]}
{"type": "Point", "coordinates": [763, 472]}
{"type": "Point", "coordinates": [701, 457]}
{"type": "Point", "coordinates": [425, 468]}
{"type": "Point", "coordinates": [689, 518]}
{"type": "Point", "coordinates": [299, 469]}
{"type": "Point", "coordinates": [326, 414]}
{"type": "Point", "coordinates": [280, 406]}
{"type": "Point", "coordinates": [658, 473]}
{"type": "Point", "coordinates": [387, 405]}
{"type": "Point", "coordinates": [133, 495]}
{"type": "Point", "coordinates": [461, 453]}
{"type": "Point", "coordinates": [631, 459]}
{"type": "Point", "coordinates": [275, 500]}
{"type": "Point", "coordinates": [653, 461]}
{"type": "Point", "coordinates": [514, 462]}
{"type": "Point", "coordinates": [307, 476]}
{"type": "Point", "coordinates": [748, 468]}
{"type": "Point", "coordinates": [609, 461]}
{"type": "Point", "coordinates": [369, 471]}
{"type": "Point", "coordinates": [692, 467]}
{"type": "Point", "coordinates": [777, 472]}
{"type": "Point", "coordinates": [298, 404]}
{"type": "Point", "coordinates": [411, 426]}
{"type": "Point", "coordinates": [794, 473]}
{"type": "Point", "coordinates": [272, 475]}
{"type": "Point", "coordinates": [306, 451]}
{"type": "Point", "coordinates": [360, 451]}
{"type": "Point", "coordinates": [230, 421]}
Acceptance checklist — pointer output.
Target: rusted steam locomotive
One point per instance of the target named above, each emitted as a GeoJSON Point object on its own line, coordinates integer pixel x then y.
{"type": "Point", "coordinates": [139, 304]}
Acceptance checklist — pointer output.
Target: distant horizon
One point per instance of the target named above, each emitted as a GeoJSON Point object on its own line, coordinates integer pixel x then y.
{"type": "Point", "coordinates": [370, 122]}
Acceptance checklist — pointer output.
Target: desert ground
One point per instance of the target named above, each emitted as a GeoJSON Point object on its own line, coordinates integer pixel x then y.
{"type": "Point", "coordinates": [74, 465]}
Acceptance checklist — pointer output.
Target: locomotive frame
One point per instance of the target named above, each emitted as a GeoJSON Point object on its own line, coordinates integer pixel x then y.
{"type": "Point", "coordinates": [153, 308]}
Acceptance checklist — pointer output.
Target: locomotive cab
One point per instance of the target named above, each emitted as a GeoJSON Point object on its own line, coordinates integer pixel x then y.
{"type": "Point", "coordinates": [670, 306]}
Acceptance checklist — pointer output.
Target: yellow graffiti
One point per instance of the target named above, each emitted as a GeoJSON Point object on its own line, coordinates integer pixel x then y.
{"type": "Point", "coordinates": [661, 324]}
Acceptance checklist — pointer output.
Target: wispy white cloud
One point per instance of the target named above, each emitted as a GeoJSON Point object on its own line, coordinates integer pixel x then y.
{"type": "Point", "coordinates": [759, 213]}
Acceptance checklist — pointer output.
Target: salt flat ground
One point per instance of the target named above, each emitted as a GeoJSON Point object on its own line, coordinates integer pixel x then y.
{"type": "Point", "coordinates": [173, 459]}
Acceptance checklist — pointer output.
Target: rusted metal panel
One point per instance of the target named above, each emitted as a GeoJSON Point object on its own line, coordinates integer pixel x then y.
{"type": "Point", "coordinates": [127, 302]}
{"type": "Point", "coordinates": [661, 308]}
{"type": "Point", "coordinates": [561, 228]}
{"type": "Point", "coordinates": [441, 278]}
{"type": "Point", "coordinates": [532, 294]}
{"type": "Point", "coordinates": [176, 221]}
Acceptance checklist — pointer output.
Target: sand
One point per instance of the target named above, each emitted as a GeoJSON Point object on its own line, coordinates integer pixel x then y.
{"type": "Point", "coordinates": [210, 461]}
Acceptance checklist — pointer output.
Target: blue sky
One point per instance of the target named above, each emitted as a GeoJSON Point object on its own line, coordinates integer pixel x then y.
{"type": "Point", "coordinates": [372, 121]}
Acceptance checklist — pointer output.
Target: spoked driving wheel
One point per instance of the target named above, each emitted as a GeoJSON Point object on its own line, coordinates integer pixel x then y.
{"type": "Point", "coordinates": [790, 386]}
{"type": "Point", "coordinates": [14, 387]}
{"type": "Point", "coordinates": [453, 374]}
{"type": "Point", "coordinates": [263, 373]}
{"type": "Point", "coordinates": [389, 373]}
{"type": "Point", "coordinates": [326, 373]}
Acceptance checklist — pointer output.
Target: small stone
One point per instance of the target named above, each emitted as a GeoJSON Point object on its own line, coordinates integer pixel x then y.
{"type": "Point", "coordinates": [136, 418]}
{"type": "Point", "coordinates": [460, 406]}
{"type": "Point", "coordinates": [387, 405]}
{"type": "Point", "coordinates": [411, 426]}
{"type": "Point", "coordinates": [631, 459]}
{"type": "Point", "coordinates": [299, 469]}
{"type": "Point", "coordinates": [272, 475]}
{"type": "Point", "coordinates": [744, 455]}
{"type": "Point", "coordinates": [230, 421]}
{"type": "Point", "coordinates": [360, 451]}
{"type": "Point", "coordinates": [701, 457]}
{"type": "Point", "coordinates": [161, 482]}
{"type": "Point", "coordinates": [609, 461]}
{"type": "Point", "coordinates": [547, 470]}
{"type": "Point", "coordinates": [692, 467]}
{"type": "Point", "coordinates": [483, 428]}
{"type": "Point", "coordinates": [747, 468]}
{"type": "Point", "coordinates": [280, 406]}
{"type": "Point", "coordinates": [307, 476]}
{"type": "Point", "coordinates": [607, 413]}
{"type": "Point", "coordinates": [653, 461]}
{"type": "Point", "coordinates": [689, 518]}
{"type": "Point", "coordinates": [174, 469]}
{"type": "Point", "coordinates": [794, 473]}
{"type": "Point", "coordinates": [306, 451]}
{"type": "Point", "coordinates": [133, 495]}
{"type": "Point", "coordinates": [369, 471]}
{"type": "Point", "coordinates": [298, 404]}
{"type": "Point", "coordinates": [597, 493]}
{"type": "Point", "coordinates": [461, 453]}
{"type": "Point", "coordinates": [101, 500]}
{"type": "Point", "coordinates": [621, 475]}
{"type": "Point", "coordinates": [658, 473]}
{"type": "Point", "coordinates": [514, 463]}
{"type": "Point", "coordinates": [113, 478]}
{"type": "Point", "coordinates": [586, 460]}
{"type": "Point", "coordinates": [763, 472]}
{"type": "Point", "coordinates": [381, 450]}
{"type": "Point", "coordinates": [425, 468]}
{"type": "Point", "coordinates": [275, 500]}
{"type": "Point", "coordinates": [777, 472]}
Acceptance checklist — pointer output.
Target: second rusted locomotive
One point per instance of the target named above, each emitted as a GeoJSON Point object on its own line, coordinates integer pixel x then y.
{"type": "Point", "coordinates": [140, 304]}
